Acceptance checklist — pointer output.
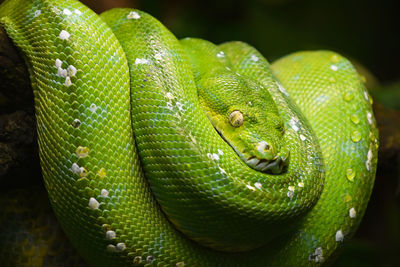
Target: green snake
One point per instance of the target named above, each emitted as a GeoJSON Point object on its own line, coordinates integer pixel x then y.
{"type": "Point", "coordinates": [162, 152]}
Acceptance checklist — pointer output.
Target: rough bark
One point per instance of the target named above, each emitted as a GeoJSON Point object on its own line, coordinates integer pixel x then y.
{"type": "Point", "coordinates": [19, 161]}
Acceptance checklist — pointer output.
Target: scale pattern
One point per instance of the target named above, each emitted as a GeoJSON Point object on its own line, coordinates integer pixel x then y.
{"type": "Point", "coordinates": [134, 170]}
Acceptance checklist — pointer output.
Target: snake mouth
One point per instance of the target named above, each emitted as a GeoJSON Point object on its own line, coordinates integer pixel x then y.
{"type": "Point", "coordinates": [276, 165]}
{"type": "Point", "coordinates": [273, 165]}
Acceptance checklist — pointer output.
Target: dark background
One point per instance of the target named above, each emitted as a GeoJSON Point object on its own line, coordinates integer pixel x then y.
{"type": "Point", "coordinates": [367, 31]}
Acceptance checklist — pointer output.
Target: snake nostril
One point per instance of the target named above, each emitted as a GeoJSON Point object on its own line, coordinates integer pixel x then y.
{"type": "Point", "coordinates": [264, 150]}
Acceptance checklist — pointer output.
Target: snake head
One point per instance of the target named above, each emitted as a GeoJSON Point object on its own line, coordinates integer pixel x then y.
{"type": "Point", "coordinates": [247, 118]}
{"type": "Point", "coordinates": [258, 140]}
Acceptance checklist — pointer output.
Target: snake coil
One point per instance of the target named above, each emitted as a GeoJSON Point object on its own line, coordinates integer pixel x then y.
{"type": "Point", "coordinates": [183, 153]}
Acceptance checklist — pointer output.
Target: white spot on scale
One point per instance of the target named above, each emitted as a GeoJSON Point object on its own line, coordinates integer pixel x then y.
{"type": "Point", "coordinates": [222, 170]}
{"type": "Point", "coordinates": [110, 235]}
{"type": "Point", "coordinates": [352, 213]}
{"type": "Point", "coordinates": [254, 58]}
{"type": "Point", "coordinates": [64, 35]}
{"type": "Point", "coordinates": [68, 82]}
{"type": "Point", "coordinates": [290, 194]}
{"type": "Point", "coordinates": [71, 71]}
{"type": "Point", "coordinates": [339, 236]}
{"type": "Point", "coordinates": [300, 184]}
{"type": "Point", "coordinates": [58, 63]}
{"type": "Point", "coordinates": [214, 156]}
{"type": "Point", "coordinates": [366, 95]}
{"type": "Point", "coordinates": [169, 95]}
{"type": "Point", "coordinates": [78, 12]}
{"type": "Point", "coordinates": [369, 117]}
{"type": "Point", "coordinates": [133, 15]}
{"type": "Point", "coordinates": [93, 108]}
{"type": "Point", "coordinates": [317, 256]}
{"type": "Point", "coordinates": [369, 159]}
{"type": "Point", "coordinates": [75, 168]}
{"type": "Point", "coordinates": [302, 137]}
{"type": "Point", "coordinates": [104, 193]}
{"type": "Point", "coordinates": [120, 247]}
{"type": "Point", "coordinates": [293, 124]}
{"type": "Point", "coordinates": [62, 72]}
{"type": "Point", "coordinates": [38, 12]}
{"type": "Point", "coordinates": [291, 188]}
{"type": "Point", "coordinates": [67, 12]}
{"type": "Point", "coordinates": [220, 152]}
{"type": "Point", "coordinates": [141, 61]}
{"type": "Point", "coordinates": [221, 54]}
{"type": "Point", "coordinates": [93, 203]}
{"type": "Point", "coordinates": [258, 185]}
{"type": "Point", "coordinates": [334, 67]}
{"type": "Point", "coordinates": [179, 105]}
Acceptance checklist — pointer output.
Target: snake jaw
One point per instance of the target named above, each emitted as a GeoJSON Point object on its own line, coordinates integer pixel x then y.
{"type": "Point", "coordinates": [263, 158]}
{"type": "Point", "coordinates": [276, 165]}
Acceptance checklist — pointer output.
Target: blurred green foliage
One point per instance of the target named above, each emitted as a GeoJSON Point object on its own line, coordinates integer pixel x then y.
{"type": "Point", "coordinates": [389, 95]}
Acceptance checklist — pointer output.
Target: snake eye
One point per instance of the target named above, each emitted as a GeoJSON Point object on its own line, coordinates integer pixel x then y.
{"type": "Point", "coordinates": [236, 118]}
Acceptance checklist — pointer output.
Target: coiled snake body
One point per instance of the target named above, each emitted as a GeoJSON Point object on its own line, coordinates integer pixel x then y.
{"type": "Point", "coordinates": [184, 153]}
